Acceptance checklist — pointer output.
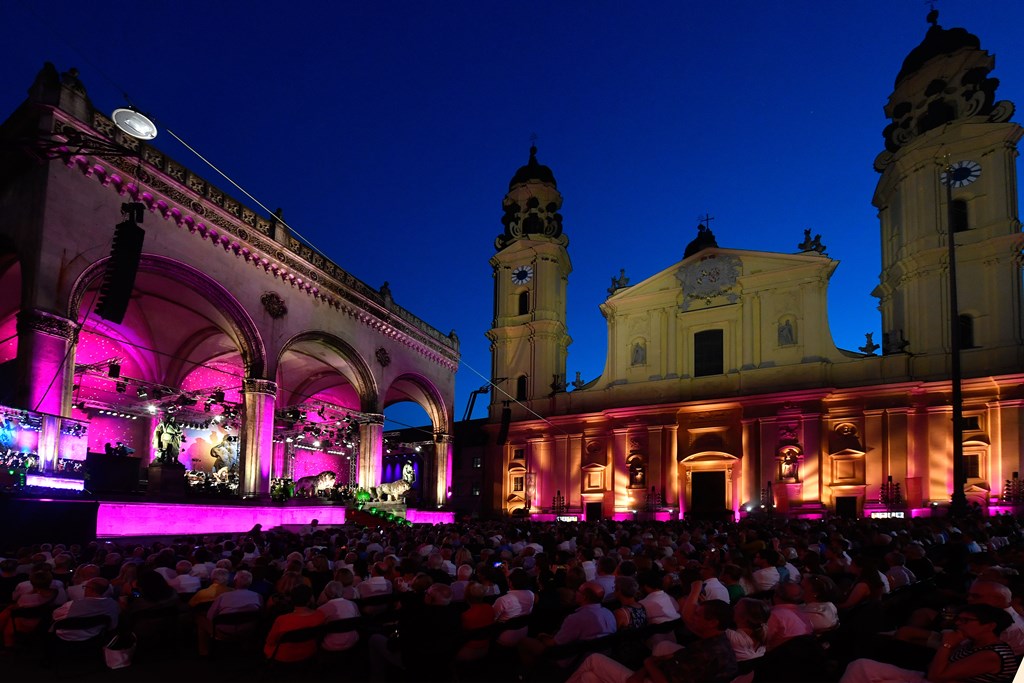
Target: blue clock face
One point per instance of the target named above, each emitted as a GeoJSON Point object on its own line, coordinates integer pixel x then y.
{"type": "Point", "coordinates": [522, 274]}
{"type": "Point", "coordinates": [961, 173]}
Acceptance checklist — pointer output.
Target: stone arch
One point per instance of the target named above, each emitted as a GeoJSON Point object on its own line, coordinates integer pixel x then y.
{"type": "Point", "coordinates": [243, 329]}
{"type": "Point", "coordinates": [361, 377]}
{"type": "Point", "coordinates": [418, 389]}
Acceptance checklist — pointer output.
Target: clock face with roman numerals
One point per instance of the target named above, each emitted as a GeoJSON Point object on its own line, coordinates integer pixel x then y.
{"type": "Point", "coordinates": [522, 274]}
{"type": "Point", "coordinates": [961, 173]}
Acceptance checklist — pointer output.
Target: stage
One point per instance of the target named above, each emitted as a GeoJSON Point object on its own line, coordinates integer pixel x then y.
{"type": "Point", "coordinates": [60, 518]}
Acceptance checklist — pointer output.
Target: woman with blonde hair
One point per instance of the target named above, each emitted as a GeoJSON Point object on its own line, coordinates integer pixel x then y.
{"type": "Point", "coordinates": [750, 635]}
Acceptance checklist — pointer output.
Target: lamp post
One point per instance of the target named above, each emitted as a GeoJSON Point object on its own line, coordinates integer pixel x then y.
{"type": "Point", "coordinates": [959, 175]}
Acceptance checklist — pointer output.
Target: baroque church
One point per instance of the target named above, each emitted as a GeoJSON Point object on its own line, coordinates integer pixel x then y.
{"type": "Point", "coordinates": [723, 391]}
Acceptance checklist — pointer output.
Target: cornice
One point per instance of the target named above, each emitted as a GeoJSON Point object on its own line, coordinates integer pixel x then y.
{"type": "Point", "coordinates": [179, 196]}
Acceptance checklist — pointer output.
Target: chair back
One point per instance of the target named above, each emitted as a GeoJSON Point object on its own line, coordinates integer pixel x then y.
{"type": "Point", "coordinates": [299, 635]}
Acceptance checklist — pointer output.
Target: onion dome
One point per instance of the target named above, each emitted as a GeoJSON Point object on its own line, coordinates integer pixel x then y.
{"type": "Point", "coordinates": [937, 42]}
{"type": "Point", "coordinates": [531, 206]}
{"type": "Point", "coordinates": [533, 171]}
{"type": "Point", "coordinates": [705, 239]}
{"type": "Point", "coordinates": [944, 79]}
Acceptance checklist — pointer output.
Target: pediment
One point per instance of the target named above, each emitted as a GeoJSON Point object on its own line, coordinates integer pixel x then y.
{"type": "Point", "coordinates": [710, 457]}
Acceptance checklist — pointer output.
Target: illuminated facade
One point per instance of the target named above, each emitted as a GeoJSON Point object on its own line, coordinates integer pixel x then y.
{"type": "Point", "coordinates": [273, 360]}
{"type": "Point", "coordinates": [722, 387]}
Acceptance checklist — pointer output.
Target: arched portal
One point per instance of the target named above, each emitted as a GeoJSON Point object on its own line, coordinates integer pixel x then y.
{"type": "Point", "coordinates": [181, 356]}
{"type": "Point", "coordinates": [327, 418]}
{"type": "Point", "coordinates": [708, 485]}
{"type": "Point", "coordinates": [434, 441]}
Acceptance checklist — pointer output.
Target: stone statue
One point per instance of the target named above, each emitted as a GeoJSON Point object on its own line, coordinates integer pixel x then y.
{"type": "Point", "coordinates": [167, 438]}
{"type": "Point", "coordinates": [811, 244]}
{"type": "Point", "coordinates": [619, 282]}
{"type": "Point", "coordinates": [639, 354]}
{"type": "Point", "coordinates": [869, 344]}
{"type": "Point", "coordinates": [790, 467]}
{"type": "Point", "coordinates": [786, 335]}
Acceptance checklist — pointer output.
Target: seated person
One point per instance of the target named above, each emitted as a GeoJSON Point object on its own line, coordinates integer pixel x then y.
{"type": "Point", "coordinates": [302, 616]}
{"type": "Point", "coordinates": [708, 658]}
{"type": "Point", "coordinates": [972, 652]}
{"type": "Point", "coordinates": [95, 601]}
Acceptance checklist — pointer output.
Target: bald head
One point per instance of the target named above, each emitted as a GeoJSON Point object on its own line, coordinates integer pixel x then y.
{"type": "Point", "coordinates": [989, 593]}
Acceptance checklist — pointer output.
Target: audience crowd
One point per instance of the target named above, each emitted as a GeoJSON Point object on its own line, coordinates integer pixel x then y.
{"type": "Point", "coordinates": [934, 599]}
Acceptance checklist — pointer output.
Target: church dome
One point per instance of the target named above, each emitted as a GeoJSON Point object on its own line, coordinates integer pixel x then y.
{"type": "Point", "coordinates": [944, 79]}
{"type": "Point", "coordinates": [937, 42]}
{"type": "Point", "coordinates": [533, 171]}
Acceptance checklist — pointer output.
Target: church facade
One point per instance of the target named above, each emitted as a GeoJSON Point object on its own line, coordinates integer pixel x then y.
{"type": "Point", "coordinates": [723, 390]}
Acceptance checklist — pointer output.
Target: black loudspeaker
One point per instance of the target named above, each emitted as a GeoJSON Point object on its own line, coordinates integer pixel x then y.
{"type": "Point", "coordinates": [119, 275]}
{"type": "Point", "coordinates": [506, 418]}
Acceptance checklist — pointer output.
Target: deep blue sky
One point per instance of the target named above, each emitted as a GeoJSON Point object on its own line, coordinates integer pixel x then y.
{"type": "Point", "coordinates": [388, 131]}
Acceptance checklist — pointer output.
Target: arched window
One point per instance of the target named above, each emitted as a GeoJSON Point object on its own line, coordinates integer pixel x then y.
{"type": "Point", "coordinates": [966, 332]}
{"type": "Point", "coordinates": [708, 356]}
{"type": "Point", "coordinates": [524, 302]}
{"type": "Point", "coordinates": [521, 388]}
{"type": "Point", "coordinates": [958, 215]}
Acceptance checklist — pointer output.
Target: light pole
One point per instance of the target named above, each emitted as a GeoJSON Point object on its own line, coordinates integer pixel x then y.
{"type": "Point", "coordinates": [956, 174]}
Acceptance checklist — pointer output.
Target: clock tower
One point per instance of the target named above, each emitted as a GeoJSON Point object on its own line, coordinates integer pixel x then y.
{"type": "Point", "coordinates": [529, 338]}
{"type": "Point", "coordinates": [946, 126]}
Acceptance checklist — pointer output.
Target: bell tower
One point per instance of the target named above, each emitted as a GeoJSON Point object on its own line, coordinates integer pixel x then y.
{"type": "Point", "coordinates": [529, 338]}
{"type": "Point", "coordinates": [945, 122]}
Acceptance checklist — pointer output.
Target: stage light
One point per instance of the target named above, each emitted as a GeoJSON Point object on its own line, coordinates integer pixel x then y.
{"type": "Point", "coordinates": [206, 407]}
{"type": "Point", "coordinates": [113, 371]}
{"type": "Point", "coordinates": [320, 411]}
{"type": "Point", "coordinates": [142, 392]}
{"type": "Point", "coordinates": [121, 387]}
{"type": "Point", "coordinates": [151, 409]}
{"type": "Point", "coordinates": [217, 397]}
{"type": "Point", "coordinates": [289, 440]}
{"type": "Point", "coordinates": [316, 444]}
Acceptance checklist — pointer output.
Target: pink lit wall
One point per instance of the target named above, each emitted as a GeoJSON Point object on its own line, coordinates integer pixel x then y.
{"type": "Point", "coordinates": [429, 517]}
{"type": "Point", "coordinates": [155, 519]}
{"type": "Point", "coordinates": [310, 463]}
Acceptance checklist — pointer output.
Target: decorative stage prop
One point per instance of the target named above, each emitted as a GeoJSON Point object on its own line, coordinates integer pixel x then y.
{"type": "Point", "coordinates": [393, 490]}
{"type": "Point", "coordinates": [316, 484]}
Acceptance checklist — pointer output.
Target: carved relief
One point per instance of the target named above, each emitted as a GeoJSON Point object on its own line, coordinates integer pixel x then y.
{"type": "Point", "coordinates": [709, 278]}
{"type": "Point", "coordinates": [274, 305]}
{"type": "Point", "coordinates": [47, 323]}
{"type": "Point", "coordinates": [252, 385]}
{"type": "Point", "coordinates": [383, 357]}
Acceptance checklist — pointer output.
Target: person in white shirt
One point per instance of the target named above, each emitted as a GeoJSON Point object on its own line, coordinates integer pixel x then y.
{"type": "Point", "coordinates": [766, 576]}
{"type": "Point", "coordinates": [711, 587]}
{"type": "Point", "coordinates": [518, 601]}
{"type": "Point", "coordinates": [818, 607]}
{"type": "Point", "coordinates": [335, 609]}
{"type": "Point", "coordinates": [184, 581]}
{"type": "Point", "coordinates": [606, 576]}
{"type": "Point", "coordinates": [241, 599]}
{"type": "Point", "coordinates": [898, 574]}
{"type": "Point", "coordinates": [377, 584]}
{"type": "Point", "coordinates": [787, 620]}
{"type": "Point", "coordinates": [94, 602]}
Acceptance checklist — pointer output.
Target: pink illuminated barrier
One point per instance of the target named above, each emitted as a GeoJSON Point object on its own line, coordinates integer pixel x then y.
{"type": "Point", "coordinates": [162, 519]}
{"type": "Point", "coordinates": [429, 517]}
{"type": "Point", "coordinates": [54, 483]}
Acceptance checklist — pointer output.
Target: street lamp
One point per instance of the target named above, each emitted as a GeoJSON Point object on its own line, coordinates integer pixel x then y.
{"type": "Point", "coordinates": [958, 174]}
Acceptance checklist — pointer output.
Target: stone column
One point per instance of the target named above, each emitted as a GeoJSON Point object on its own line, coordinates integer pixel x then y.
{"type": "Point", "coordinates": [371, 450]}
{"type": "Point", "coordinates": [46, 362]}
{"type": "Point", "coordinates": [443, 450]}
{"type": "Point", "coordinates": [257, 447]}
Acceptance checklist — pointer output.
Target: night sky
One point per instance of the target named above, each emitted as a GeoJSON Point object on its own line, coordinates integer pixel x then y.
{"type": "Point", "coordinates": [388, 131]}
